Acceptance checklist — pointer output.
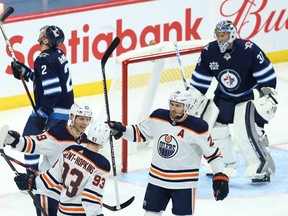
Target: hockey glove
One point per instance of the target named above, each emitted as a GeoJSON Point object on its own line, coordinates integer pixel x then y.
{"type": "Point", "coordinates": [41, 118]}
{"type": "Point", "coordinates": [220, 186]}
{"type": "Point", "coordinates": [117, 129]}
{"type": "Point", "coordinates": [12, 138]}
{"type": "Point", "coordinates": [25, 181]}
{"type": "Point", "coordinates": [20, 68]}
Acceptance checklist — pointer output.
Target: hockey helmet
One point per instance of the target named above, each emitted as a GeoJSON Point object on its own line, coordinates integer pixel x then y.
{"type": "Point", "coordinates": [80, 109]}
{"type": "Point", "coordinates": [99, 133]}
{"type": "Point", "coordinates": [184, 97]}
{"type": "Point", "coordinates": [222, 27]}
{"type": "Point", "coordinates": [54, 34]}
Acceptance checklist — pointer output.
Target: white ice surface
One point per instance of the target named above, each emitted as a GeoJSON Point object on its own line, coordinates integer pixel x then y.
{"type": "Point", "coordinates": [244, 199]}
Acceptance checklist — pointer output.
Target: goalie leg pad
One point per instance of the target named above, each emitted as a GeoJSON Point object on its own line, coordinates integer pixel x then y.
{"type": "Point", "coordinates": [250, 143]}
{"type": "Point", "coordinates": [222, 138]}
{"type": "Point", "coordinates": [210, 113]}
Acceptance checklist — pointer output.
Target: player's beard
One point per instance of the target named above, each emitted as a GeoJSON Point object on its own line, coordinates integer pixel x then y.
{"type": "Point", "coordinates": [175, 116]}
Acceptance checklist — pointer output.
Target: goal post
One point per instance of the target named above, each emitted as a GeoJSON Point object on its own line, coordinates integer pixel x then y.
{"type": "Point", "coordinates": [147, 78]}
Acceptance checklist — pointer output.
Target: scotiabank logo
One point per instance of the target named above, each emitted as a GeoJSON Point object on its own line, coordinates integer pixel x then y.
{"type": "Point", "coordinates": [160, 32]}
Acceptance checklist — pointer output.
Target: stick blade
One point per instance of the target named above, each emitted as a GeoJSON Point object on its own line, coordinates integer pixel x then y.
{"type": "Point", "coordinates": [6, 13]}
{"type": "Point", "coordinates": [109, 51]}
{"type": "Point", "coordinates": [122, 206]}
{"type": "Point", "coordinates": [3, 131]}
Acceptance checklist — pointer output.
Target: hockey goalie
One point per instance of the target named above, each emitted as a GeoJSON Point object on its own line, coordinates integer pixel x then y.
{"type": "Point", "coordinates": [244, 100]}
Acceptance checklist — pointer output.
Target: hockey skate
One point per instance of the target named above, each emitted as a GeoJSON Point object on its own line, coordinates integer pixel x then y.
{"type": "Point", "coordinates": [261, 178]}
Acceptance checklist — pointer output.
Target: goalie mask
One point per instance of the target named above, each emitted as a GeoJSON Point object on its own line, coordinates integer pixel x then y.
{"type": "Point", "coordinates": [99, 133]}
{"type": "Point", "coordinates": [184, 97]}
{"type": "Point", "coordinates": [80, 110]}
{"type": "Point", "coordinates": [54, 34]}
{"type": "Point", "coordinates": [225, 26]}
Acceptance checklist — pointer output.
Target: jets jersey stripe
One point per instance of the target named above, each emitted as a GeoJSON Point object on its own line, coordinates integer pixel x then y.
{"type": "Point", "coordinates": [202, 77]}
{"type": "Point", "coordinates": [267, 79]}
{"type": "Point", "coordinates": [263, 71]}
{"type": "Point", "coordinates": [49, 82]}
{"type": "Point", "coordinates": [194, 83]}
{"type": "Point", "coordinates": [52, 91]}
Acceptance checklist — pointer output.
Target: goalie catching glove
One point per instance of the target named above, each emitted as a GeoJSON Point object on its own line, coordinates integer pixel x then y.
{"type": "Point", "coordinates": [19, 68]}
{"type": "Point", "coordinates": [220, 186]}
{"type": "Point", "coordinates": [25, 181]}
{"type": "Point", "coordinates": [117, 129]}
{"type": "Point", "coordinates": [12, 138]}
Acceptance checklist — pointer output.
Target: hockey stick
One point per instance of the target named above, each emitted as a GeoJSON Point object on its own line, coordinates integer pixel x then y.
{"type": "Point", "coordinates": [104, 59]}
{"type": "Point", "coordinates": [36, 172]}
{"type": "Point", "coordinates": [22, 164]}
{"type": "Point", "coordinates": [204, 104]}
{"type": "Point", "coordinates": [3, 132]}
{"type": "Point", "coordinates": [3, 17]}
{"type": "Point", "coordinates": [180, 65]}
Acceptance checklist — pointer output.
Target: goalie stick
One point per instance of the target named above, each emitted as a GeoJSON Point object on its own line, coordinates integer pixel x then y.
{"type": "Point", "coordinates": [111, 208]}
{"type": "Point", "coordinates": [104, 59]}
{"type": "Point", "coordinates": [3, 132]}
{"type": "Point", "coordinates": [180, 65]}
{"type": "Point", "coordinates": [202, 106]}
{"type": "Point", "coordinates": [3, 17]}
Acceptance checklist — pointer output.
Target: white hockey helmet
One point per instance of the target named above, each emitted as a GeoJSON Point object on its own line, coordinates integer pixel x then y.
{"type": "Point", "coordinates": [184, 97]}
{"type": "Point", "coordinates": [99, 132]}
{"type": "Point", "coordinates": [225, 26]}
{"type": "Point", "coordinates": [80, 109]}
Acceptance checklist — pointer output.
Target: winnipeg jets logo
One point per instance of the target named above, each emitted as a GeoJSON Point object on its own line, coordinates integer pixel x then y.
{"type": "Point", "coordinates": [248, 45]}
{"type": "Point", "coordinates": [167, 146]}
{"type": "Point", "coordinates": [230, 79]}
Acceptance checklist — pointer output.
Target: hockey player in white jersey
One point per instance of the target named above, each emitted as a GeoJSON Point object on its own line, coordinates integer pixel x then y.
{"type": "Point", "coordinates": [180, 140]}
{"type": "Point", "coordinates": [51, 144]}
{"type": "Point", "coordinates": [83, 173]}
{"type": "Point", "coordinates": [245, 97]}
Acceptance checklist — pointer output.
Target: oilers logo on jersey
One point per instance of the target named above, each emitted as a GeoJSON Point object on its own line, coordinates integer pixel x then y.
{"type": "Point", "coordinates": [167, 146]}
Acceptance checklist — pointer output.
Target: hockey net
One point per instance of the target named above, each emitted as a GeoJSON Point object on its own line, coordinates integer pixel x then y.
{"type": "Point", "coordinates": [147, 78]}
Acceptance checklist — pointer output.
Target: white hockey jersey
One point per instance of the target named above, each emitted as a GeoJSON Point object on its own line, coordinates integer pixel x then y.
{"type": "Point", "coordinates": [177, 149]}
{"type": "Point", "coordinates": [83, 174]}
{"type": "Point", "coordinates": [50, 144]}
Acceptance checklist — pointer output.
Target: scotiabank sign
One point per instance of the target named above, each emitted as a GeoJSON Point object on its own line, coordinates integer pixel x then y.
{"type": "Point", "coordinates": [89, 31]}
